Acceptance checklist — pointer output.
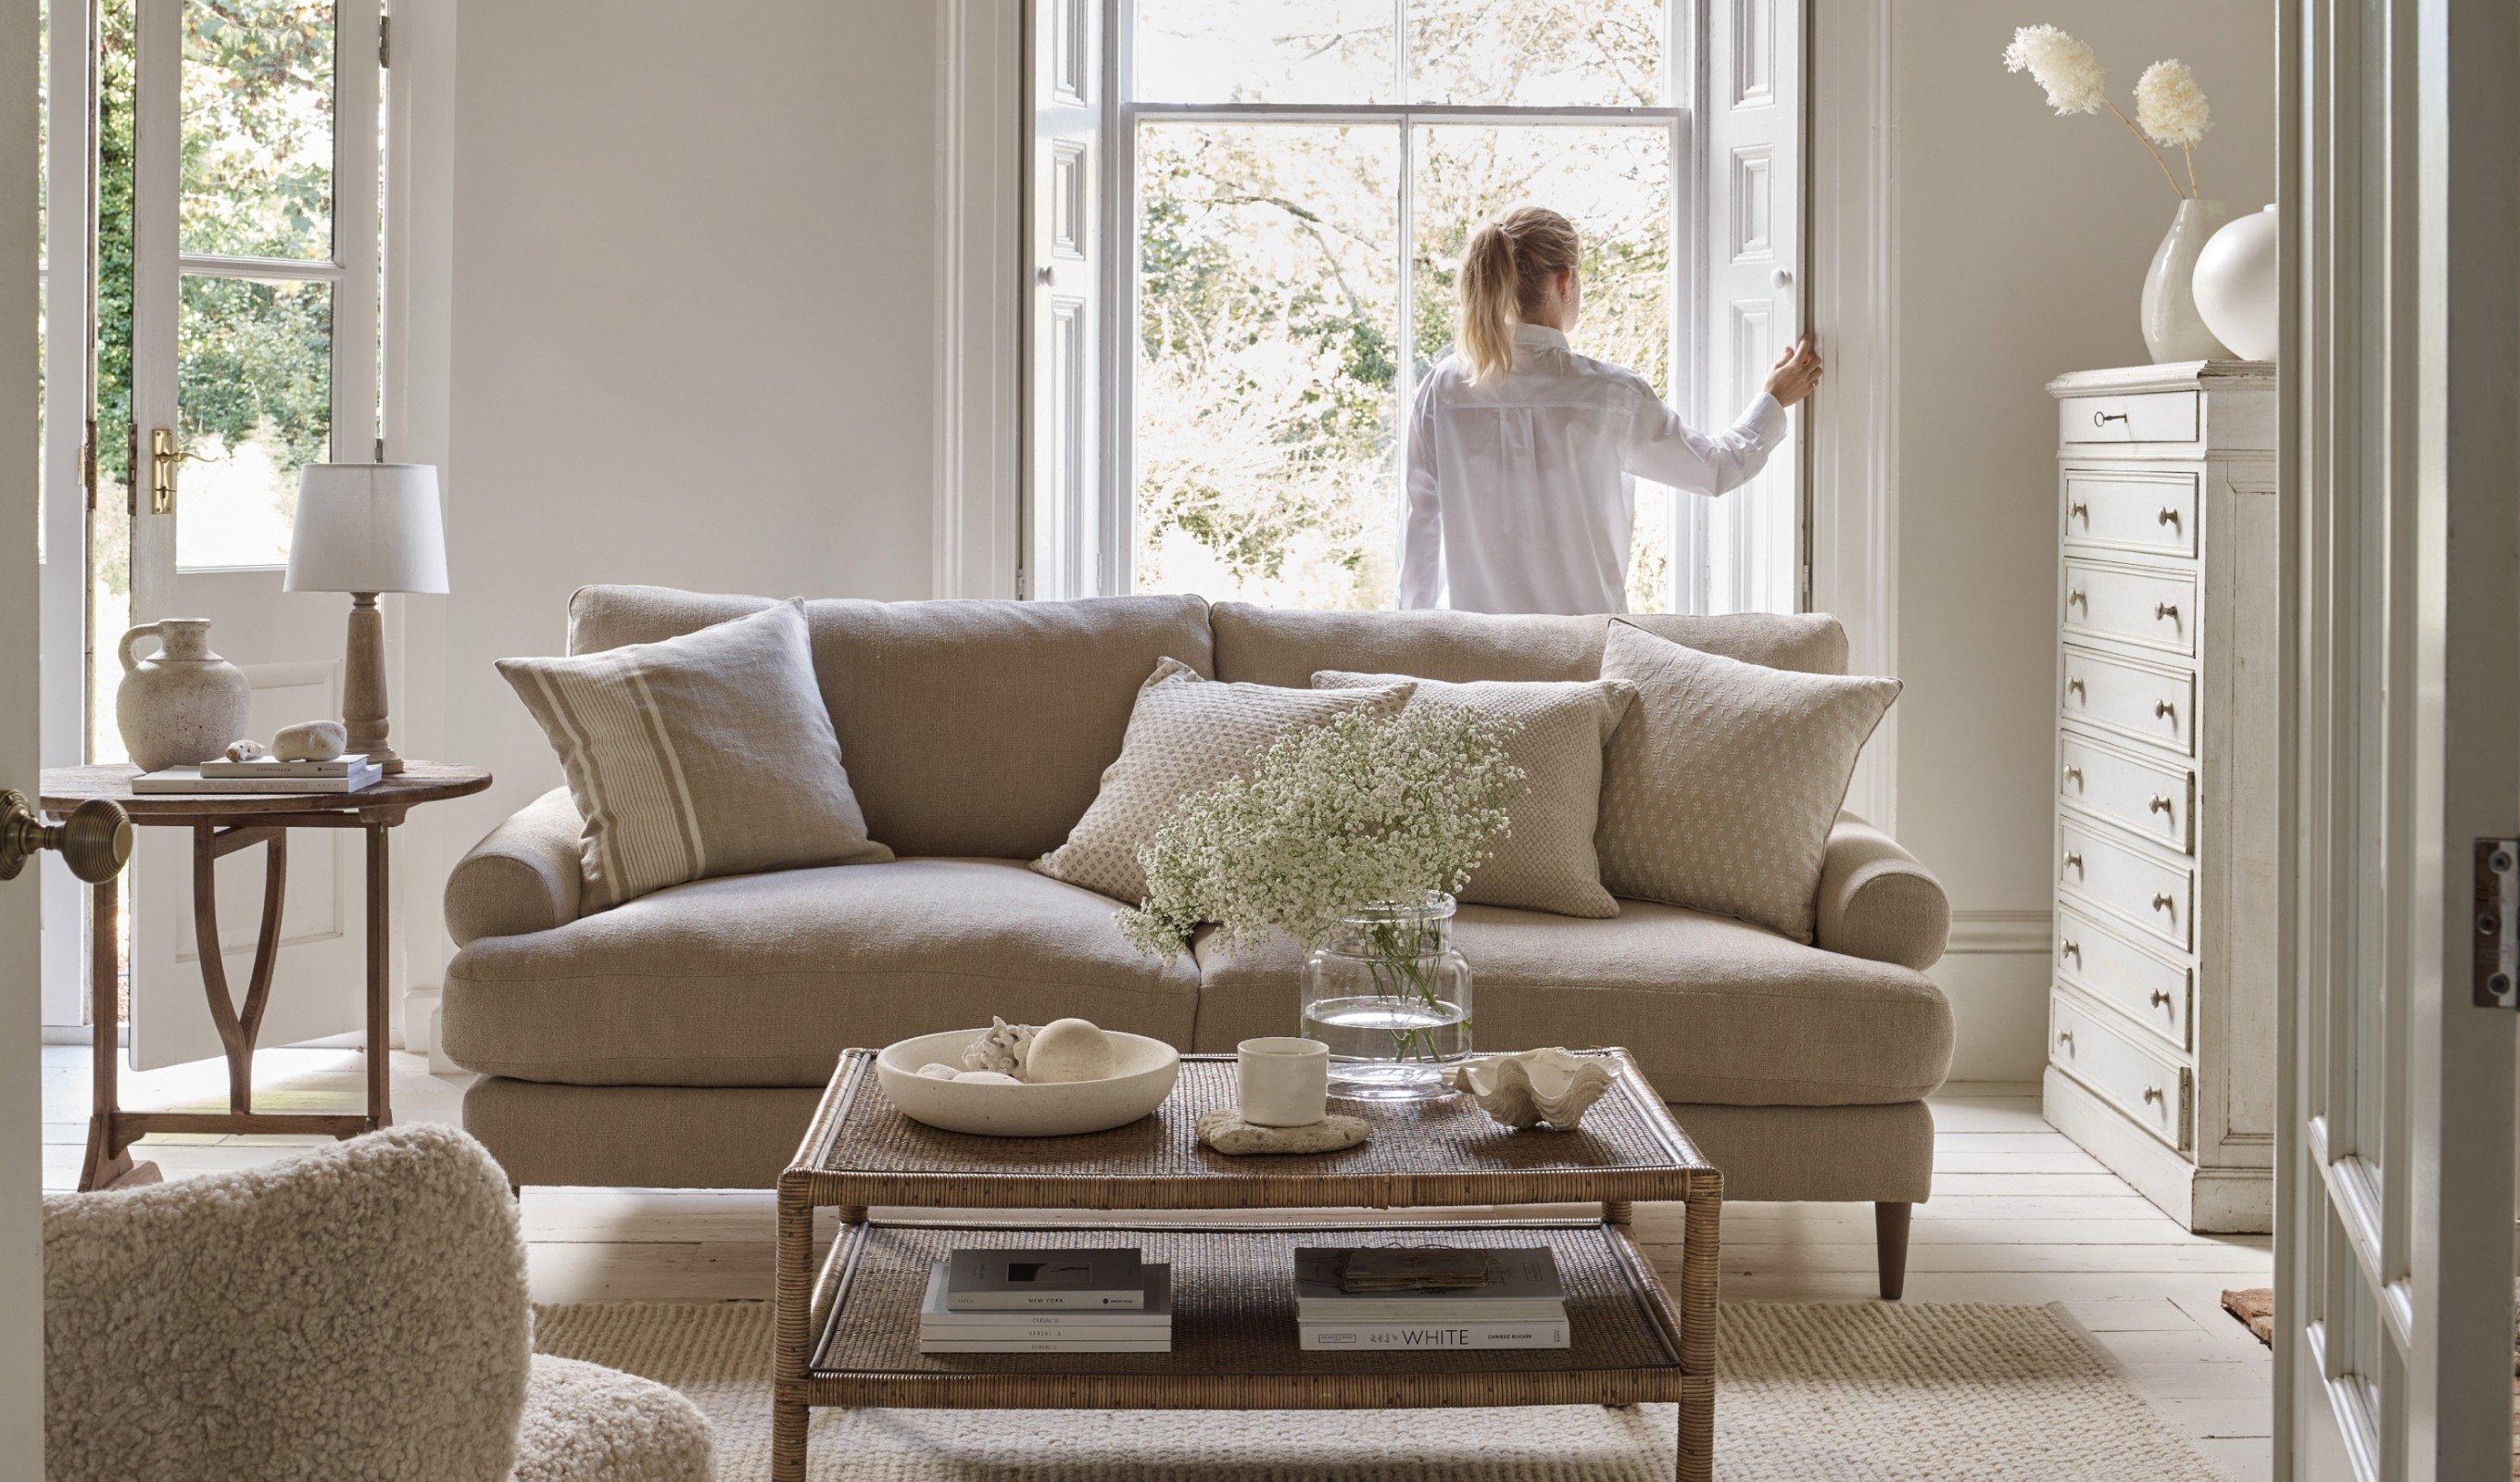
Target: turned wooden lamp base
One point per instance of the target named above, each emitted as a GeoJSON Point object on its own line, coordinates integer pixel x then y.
{"type": "Point", "coordinates": [363, 684]}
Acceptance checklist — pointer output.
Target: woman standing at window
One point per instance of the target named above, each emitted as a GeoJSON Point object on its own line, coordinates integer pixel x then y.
{"type": "Point", "coordinates": [1523, 456]}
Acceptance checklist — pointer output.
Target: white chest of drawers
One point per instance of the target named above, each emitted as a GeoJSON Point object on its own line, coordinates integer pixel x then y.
{"type": "Point", "coordinates": [2161, 1010]}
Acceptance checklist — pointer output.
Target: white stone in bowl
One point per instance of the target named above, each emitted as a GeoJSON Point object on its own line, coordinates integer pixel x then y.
{"type": "Point", "coordinates": [985, 1078]}
{"type": "Point", "coordinates": [1067, 1049]}
{"type": "Point", "coordinates": [938, 1070]}
{"type": "Point", "coordinates": [1142, 1074]}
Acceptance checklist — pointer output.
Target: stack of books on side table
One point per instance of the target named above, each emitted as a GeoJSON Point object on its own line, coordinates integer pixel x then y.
{"type": "Point", "coordinates": [1429, 1298]}
{"type": "Point", "coordinates": [341, 774]}
{"type": "Point", "coordinates": [1046, 1301]}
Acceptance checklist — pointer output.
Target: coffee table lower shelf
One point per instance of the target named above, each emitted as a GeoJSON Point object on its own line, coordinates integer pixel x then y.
{"type": "Point", "coordinates": [1235, 1344]}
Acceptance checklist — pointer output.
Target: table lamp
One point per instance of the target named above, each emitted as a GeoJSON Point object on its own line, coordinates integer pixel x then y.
{"type": "Point", "coordinates": [365, 528]}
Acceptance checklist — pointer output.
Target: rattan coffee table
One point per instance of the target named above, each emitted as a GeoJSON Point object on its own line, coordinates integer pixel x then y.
{"type": "Point", "coordinates": [849, 1336]}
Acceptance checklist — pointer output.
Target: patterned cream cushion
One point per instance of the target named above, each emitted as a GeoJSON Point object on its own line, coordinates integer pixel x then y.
{"type": "Point", "coordinates": [1188, 734]}
{"type": "Point", "coordinates": [706, 754]}
{"type": "Point", "coordinates": [1546, 860]}
{"type": "Point", "coordinates": [1718, 787]}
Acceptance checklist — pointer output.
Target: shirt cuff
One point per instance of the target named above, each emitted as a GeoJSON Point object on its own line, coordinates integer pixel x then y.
{"type": "Point", "coordinates": [1766, 418]}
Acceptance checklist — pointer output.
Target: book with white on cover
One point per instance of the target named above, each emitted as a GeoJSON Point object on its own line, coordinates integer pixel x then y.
{"type": "Point", "coordinates": [189, 779]}
{"type": "Point", "coordinates": [1378, 1335]}
{"type": "Point", "coordinates": [1522, 1286]}
{"type": "Point", "coordinates": [272, 766]}
{"type": "Point", "coordinates": [1085, 1325]}
{"type": "Point", "coordinates": [1025, 1281]}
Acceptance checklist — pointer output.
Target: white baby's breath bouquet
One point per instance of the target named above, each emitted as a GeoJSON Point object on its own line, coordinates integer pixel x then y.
{"type": "Point", "coordinates": [1335, 817]}
{"type": "Point", "coordinates": [2169, 104]}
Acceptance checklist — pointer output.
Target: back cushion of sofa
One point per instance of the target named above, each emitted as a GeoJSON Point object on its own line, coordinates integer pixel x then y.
{"type": "Point", "coordinates": [975, 727]}
{"type": "Point", "coordinates": [1271, 646]}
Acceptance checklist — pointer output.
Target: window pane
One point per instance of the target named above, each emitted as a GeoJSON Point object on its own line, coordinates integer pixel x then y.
{"type": "Point", "coordinates": [255, 391]}
{"type": "Point", "coordinates": [258, 128]}
{"type": "Point", "coordinates": [1538, 53]}
{"type": "Point", "coordinates": [1268, 297]}
{"type": "Point", "coordinates": [1265, 51]}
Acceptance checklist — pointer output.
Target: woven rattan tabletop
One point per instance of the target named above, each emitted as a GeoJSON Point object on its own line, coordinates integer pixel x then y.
{"type": "Point", "coordinates": [861, 1150]}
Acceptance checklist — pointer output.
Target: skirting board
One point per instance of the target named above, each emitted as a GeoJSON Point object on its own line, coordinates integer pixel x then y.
{"type": "Point", "coordinates": [2206, 1201]}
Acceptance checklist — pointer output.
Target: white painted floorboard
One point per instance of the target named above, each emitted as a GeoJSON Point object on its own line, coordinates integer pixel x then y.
{"type": "Point", "coordinates": [2019, 1215]}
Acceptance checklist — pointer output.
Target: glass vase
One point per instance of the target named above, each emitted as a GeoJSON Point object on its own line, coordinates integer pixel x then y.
{"type": "Point", "coordinates": [1392, 998]}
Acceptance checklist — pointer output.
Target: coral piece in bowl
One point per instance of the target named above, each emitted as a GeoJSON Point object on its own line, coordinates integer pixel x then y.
{"type": "Point", "coordinates": [1535, 1086]}
{"type": "Point", "coordinates": [1142, 1073]}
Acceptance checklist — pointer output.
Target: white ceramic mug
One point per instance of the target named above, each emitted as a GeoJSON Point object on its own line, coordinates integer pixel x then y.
{"type": "Point", "coordinates": [1283, 1081]}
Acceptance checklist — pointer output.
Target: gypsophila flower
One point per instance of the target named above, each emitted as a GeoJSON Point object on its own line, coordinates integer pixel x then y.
{"type": "Point", "coordinates": [2067, 68]}
{"type": "Point", "coordinates": [1363, 809]}
{"type": "Point", "coordinates": [2170, 105]}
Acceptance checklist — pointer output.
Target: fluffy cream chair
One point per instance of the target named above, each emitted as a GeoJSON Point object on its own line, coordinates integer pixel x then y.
{"type": "Point", "coordinates": [356, 1315]}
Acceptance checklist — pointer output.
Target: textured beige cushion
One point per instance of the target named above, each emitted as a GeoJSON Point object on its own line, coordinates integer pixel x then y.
{"type": "Point", "coordinates": [1716, 1010]}
{"type": "Point", "coordinates": [523, 875]}
{"type": "Point", "coordinates": [1546, 861]}
{"type": "Point", "coordinates": [584, 1422]}
{"type": "Point", "coordinates": [701, 755]}
{"type": "Point", "coordinates": [1271, 646]}
{"type": "Point", "coordinates": [763, 979]}
{"type": "Point", "coordinates": [1876, 901]}
{"type": "Point", "coordinates": [1718, 787]}
{"type": "Point", "coordinates": [969, 727]}
{"type": "Point", "coordinates": [1186, 735]}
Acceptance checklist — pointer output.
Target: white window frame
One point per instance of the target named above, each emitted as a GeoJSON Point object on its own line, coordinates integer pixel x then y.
{"type": "Point", "coordinates": [1685, 88]}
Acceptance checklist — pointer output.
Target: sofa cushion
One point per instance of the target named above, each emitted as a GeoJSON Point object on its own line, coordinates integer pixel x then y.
{"type": "Point", "coordinates": [762, 980]}
{"type": "Point", "coordinates": [970, 728]}
{"type": "Point", "coordinates": [1715, 1009]}
{"type": "Point", "coordinates": [1273, 646]}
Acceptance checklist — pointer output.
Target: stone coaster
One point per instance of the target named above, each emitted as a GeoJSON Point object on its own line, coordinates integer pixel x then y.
{"type": "Point", "coordinates": [1225, 1131]}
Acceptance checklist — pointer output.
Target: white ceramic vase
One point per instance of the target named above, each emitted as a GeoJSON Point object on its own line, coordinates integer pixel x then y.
{"type": "Point", "coordinates": [183, 703]}
{"type": "Point", "coordinates": [2172, 328]}
{"type": "Point", "coordinates": [2236, 285]}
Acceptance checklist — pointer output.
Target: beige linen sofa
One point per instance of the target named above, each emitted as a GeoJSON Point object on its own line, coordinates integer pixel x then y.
{"type": "Point", "coordinates": [681, 1039]}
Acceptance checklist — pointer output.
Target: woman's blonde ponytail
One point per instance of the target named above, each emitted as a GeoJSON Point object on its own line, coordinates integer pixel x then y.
{"type": "Point", "coordinates": [1503, 275]}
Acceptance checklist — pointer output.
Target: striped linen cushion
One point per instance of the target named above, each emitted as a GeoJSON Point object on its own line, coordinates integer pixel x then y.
{"type": "Point", "coordinates": [710, 753]}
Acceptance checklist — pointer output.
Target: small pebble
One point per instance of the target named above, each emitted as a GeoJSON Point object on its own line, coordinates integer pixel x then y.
{"type": "Point", "coordinates": [986, 1078]}
{"type": "Point", "coordinates": [938, 1070]}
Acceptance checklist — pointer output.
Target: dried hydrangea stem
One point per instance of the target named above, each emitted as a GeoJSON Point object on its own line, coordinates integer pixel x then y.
{"type": "Point", "coordinates": [2174, 188]}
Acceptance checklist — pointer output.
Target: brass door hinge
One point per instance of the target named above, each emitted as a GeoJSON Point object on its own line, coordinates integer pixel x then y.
{"type": "Point", "coordinates": [2496, 962]}
{"type": "Point", "coordinates": [87, 463]}
{"type": "Point", "coordinates": [384, 41]}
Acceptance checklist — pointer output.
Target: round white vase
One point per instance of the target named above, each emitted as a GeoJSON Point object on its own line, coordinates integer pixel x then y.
{"type": "Point", "coordinates": [2172, 328]}
{"type": "Point", "coordinates": [183, 703]}
{"type": "Point", "coordinates": [2236, 285]}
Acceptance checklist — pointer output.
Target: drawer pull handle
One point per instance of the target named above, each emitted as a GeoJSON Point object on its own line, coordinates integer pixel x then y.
{"type": "Point", "coordinates": [2103, 419]}
{"type": "Point", "coordinates": [2153, 1094]}
{"type": "Point", "coordinates": [2075, 595]}
{"type": "Point", "coordinates": [2160, 998]}
{"type": "Point", "coordinates": [2073, 687]}
{"type": "Point", "coordinates": [2065, 1037]}
{"type": "Point", "coordinates": [2160, 803]}
{"type": "Point", "coordinates": [2163, 903]}
{"type": "Point", "coordinates": [2074, 862]}
{"type": "Point", "coordinates": [2070, 949]}
{"type": "Point", "coordinates": [2074, 774]}
{"type": "Point", "coordinates": [2076, 510]}
{"type": "Point", "coordinates": [2167, 516]}
{"type": "Point", "coordinates": [2165, 611]}
{"type": "Point", "coordinates": [2165, 710]}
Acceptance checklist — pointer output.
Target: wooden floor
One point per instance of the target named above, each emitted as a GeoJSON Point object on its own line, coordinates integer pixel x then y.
{"type": "Point", "coordinates": [2019, 1214]}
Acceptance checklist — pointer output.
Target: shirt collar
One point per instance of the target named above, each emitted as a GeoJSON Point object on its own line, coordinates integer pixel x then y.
{"type": "Point", "coordinates": [1539, 336]}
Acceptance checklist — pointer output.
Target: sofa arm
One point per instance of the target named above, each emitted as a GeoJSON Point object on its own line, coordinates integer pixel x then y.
{"type": "Point", "coordinates": [1877, 901]}
{"type": "Point", "coordinates": [521, 877]}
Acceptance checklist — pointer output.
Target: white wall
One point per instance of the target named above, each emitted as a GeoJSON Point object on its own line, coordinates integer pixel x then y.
{"type": "Point", "coordinates": [2023, 240]}
{"type": "Point", "coordinates": [690, 295]}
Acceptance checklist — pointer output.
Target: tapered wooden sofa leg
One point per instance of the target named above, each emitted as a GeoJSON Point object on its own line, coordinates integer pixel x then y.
{"type": "Point", "coordinates": [1890, 1237]}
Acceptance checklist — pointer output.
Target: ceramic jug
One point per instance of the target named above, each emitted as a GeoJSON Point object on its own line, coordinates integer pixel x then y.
{"type": "Point", "coordinates": [183, 703]}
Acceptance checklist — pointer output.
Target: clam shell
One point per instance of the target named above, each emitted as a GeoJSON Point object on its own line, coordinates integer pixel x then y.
{"type": "Point", "coordinates": [1536, 1086]}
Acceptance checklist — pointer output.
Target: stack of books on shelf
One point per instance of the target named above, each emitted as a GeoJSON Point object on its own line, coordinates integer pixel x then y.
{"type": "Point", "coordinates": [341, 774]}
{"type": "Point", "coordinates": [1420, 1297]}
{"type": "Point", "coordinates": [1046, 1301]}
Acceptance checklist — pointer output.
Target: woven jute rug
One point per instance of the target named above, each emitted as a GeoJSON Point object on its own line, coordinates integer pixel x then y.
{"type": "Point", "coordinates": [1810, 1393]}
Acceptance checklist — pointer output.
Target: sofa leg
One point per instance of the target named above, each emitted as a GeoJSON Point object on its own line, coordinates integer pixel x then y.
{"type": "Point", "coordinates": [1890, 1239]}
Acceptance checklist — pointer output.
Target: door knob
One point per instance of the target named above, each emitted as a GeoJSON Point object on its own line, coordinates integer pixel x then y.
{"type": "Point", "coordinates": [1046, 275]}
{"type": "Point", "coordinates": [93, 840]}
{"type": "Point", "coordinates": [1783, 278]}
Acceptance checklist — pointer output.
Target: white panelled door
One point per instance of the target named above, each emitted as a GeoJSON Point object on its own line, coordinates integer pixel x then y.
{"type": "Point", "coordinates": [254, 352]}
{"type": "Point", "coordinates": [2394, 1250]}
{"type": "Point", "coordinates": [1752, 540]}
{"type": "Point", "coordinates": [1063, 218]}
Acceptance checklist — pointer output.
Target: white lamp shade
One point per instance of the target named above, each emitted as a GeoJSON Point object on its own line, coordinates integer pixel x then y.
{"type": "Point", "coordinates": [366, 528]}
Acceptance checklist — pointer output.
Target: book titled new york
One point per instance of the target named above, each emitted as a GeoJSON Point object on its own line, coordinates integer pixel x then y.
{"type": "Point", "coordinates": [1522, 1286]}
{"type": "Point", "coordinates": [1024, 1280]}
{"type": "Point", "coordinates": [1423, 1335]}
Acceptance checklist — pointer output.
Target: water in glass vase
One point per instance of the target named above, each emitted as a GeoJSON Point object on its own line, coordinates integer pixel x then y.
{"type": "Point", "coordinates": [1384, 1049]}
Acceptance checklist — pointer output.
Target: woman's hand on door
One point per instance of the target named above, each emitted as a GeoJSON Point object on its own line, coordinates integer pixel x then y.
{"type": "Point", "coordinates": [1795, 372]}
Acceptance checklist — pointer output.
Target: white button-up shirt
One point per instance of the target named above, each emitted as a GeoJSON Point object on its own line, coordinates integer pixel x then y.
{"type": "Point", "coordinates": [1522, 494]}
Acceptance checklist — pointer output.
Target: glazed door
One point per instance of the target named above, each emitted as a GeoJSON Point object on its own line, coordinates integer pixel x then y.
{"type": "Point", "coordinates": [254, 352]}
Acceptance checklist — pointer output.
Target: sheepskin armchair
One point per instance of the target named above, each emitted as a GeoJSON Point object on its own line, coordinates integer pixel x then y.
{"type": "Point", "coordinates": [358, 1313]}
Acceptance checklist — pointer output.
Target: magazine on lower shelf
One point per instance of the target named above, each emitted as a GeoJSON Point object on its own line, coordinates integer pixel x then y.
{"type": "Point", "coordinates": [1079, 1279]}
{"type": "Point", "coordinates": [1521, 1287]}
{"type": "Point", "coordinates": [1147, 1328]}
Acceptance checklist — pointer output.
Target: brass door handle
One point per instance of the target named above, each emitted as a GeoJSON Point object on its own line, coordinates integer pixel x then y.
{"type": "Point", "coordinates": [162, 458]}
{"type": "Point", "coordinates": [93, 840]}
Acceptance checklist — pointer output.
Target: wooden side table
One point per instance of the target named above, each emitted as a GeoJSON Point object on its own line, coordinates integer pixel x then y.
{"type": "Point", "coordinates": [222, 823]}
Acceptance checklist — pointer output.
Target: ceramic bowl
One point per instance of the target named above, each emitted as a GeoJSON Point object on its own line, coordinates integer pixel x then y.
{"type": "Point", "coordinates": [1147, 1071]}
